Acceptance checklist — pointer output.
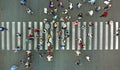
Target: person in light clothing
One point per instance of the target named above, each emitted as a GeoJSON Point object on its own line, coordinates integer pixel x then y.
{"type": "Point", "coordinates": [87, 58]}
{"type": "Point", "coordinates": [49, 57]}
{"type": "Point", "coordinates": [78, 52]}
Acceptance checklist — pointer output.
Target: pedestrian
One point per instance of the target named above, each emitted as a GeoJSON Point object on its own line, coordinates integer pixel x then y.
{"type": "Point", "coordinates": [23, 2]}
{"type": "Point", "coordinates": [81, 45]}
{"type": "Point", "coordinates": [62, 47]}
{"type": "Point", "coordinates": [78, 52]}
{"type": "Point", "coordinates": [36, 30]}
{"type": "Point", "coordinates": [98, 8]}
{"type": "Point", "coordinates": [62, 19]}
{"type": "Point", "coordinates": [29, 11]}
{"type": "Point", "coordinates": [23, 61]}
{"type": "Point", "coordinates": [106, 2]}
{"type": "Point", "coordinates": [65, 11]}
{"type": "Point", "coordinates": [40, 54]}
{"type": "Point", "coordinates": [64, 26]}
{"type": "Point", "coordinates": [19, 34]}
{"type": "Point", "coordinates": [13, 67]}
{"type": "Point", "coordinates": [40, 45]}
{"type": "Point", "coordinates": [55, 10]}
{"type": "Point", "coordinates": [44, 30]}
{"type": "Point", "coordinates": [105, 14]}
{"type": "Point", "coordinates": [90, 35]}
{"type": "Point", "coordinates": [70, 6]}
{"type": "Point", "coordinates": [108, 6]}
{"type": "Point", "coordinates": [49, 57]}
{"type": "Point", "coordinates": [80, 15]}
{"type": "Point", "coordinates": [79, 5]}
{"type": "Point", "coordinates": [76, 22]}
{"type": "Point", "coordinates": [17, 49]}
{"type": "Point", "coordinates": [55, 25]}
{"type": "Point", "coordinates": [87, 58]}
{"type": "Point", "coordinates": [30, 36]}
{"type": "Point", "coordinates": [51, 4]}
{"type": "Point", "coordinates": [68, 17]}
{"type": "Point", "coordinates": [30, 28]}
{"type": "Point", "coordinates": [77, 62]}
{"type": "Point", "coordinates": [90, 23]}
{"type": "Point", "coordinates": [55, 16]}
{"type": "Point", "coordinates": [110, 22]}
{"type": "Point", "coordinates": [3, 29]}
{"type": "Point", "coordinates": [92, 2]}
{"type": "Point", "coordinates": [60, 4]}
{"type": "Point", "coordinates": [90, 12]}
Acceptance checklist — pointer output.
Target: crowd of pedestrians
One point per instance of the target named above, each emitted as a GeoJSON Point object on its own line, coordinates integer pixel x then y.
{"type": "Point", "coordinates": [52, 10]}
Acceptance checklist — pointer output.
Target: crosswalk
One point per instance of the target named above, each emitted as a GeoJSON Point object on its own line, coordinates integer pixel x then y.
{"type": "Point", "coordinates": [103, 38]}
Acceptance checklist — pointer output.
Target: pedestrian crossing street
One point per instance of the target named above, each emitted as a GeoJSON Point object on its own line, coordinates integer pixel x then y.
{"type": "Point", "coordinates": [103, 38]}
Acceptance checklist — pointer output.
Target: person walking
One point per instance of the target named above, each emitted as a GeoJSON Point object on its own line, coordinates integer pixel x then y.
{"type": "Point", "coordinates": [92, 2]}
{"type": "Point", "coordinates": [105, 14]}
{"type": "Point", "coordinates": [29, 11]}
{"type": "Point", "coordinates": [79, 5]}
{"type": "Point", "coordinates": [2, 29]}
{"type": "Point", "coordinates": [87, 58]}
{"type": "Point", "coordinates": [77, 62]}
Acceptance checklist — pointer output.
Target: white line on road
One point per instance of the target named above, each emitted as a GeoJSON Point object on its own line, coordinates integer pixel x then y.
{"type": "Point", "coordinates": [90, 39]}
{"type": "Point", "coordinates": [8, 35]}
{"type": "Point", "coordinates": [13, 35]}
{"type": "Point", "coordinates": [68, 39]}
{"type": "Point", "coordinates": [84, 34]}
{"type": "Point", "coordinates": [111, 36]}
{"type": "Point", "coordinates": [78, 34]}
{"type": "Point", "coordinates": [95, 35]}
{"type": "Point", "coordinates": [19, 31]}
{"type": "Point", "coordinates": [117, 37]}
{"type": "Point", "coordinates": [46, 40]}
{"type": "Point", "coordinates": [73, 36]}
{"type": "Point", "coordinates": [30, 32]}
{"type": "Point", "coordinates": [41, 29]}
{"type": "Point", "coordinates": [106, 37]}
{"type": "Point", "coordinates": [101, 36]}
{"type": "Point", "coordinates": [24, 35]}
{"type": "Point", "coordinates": [57, 41]}
{"type": "Point", "coordinates": [62, 43]}
{"type": "Point", "coordinates": [35, 38]}
{"type": "Point", "coordinates": [3, 36]}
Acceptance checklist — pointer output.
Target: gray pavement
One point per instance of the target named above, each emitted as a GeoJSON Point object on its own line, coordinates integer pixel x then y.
{"type": "Point", "coordinates": [11, 10]}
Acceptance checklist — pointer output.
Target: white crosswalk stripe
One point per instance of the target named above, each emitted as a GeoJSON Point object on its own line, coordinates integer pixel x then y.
{"type": "Point", "coordinates": [116, 38]}
{"type": "Point", "coordinates": [100, 41]}
{"type": "Point", "coordinates": [35, 38]}
{"type": "Point", "coordinates": [62, 41]}
{"type": "Point", "coordinates": [90, 39]}
{"type": "Point", "coordinates": [30, 32]}
{"type": "Point", "coordinates": [3, 37]}
{"type": "Point", "coordinates": [68, 39]}
{"type": "Point", "coordinates": [106, 36]}
{"type": "Point", "coordinates": [24, 35]}
{"type": "Point", "coordinates": [56, 37]}
{"type": "Point", "coordinates": [19, 31]}
{"type": "Point", "coordinates": [101, 36]}
{"type": "Point", "coordinates": [111, 36]}
{"type": "Point", "coordinates": [8, 35]}
{"type": "Point", "coordinates": [73, 36]}
{"type": "Point", "coordinates": [79, 36]}
{"type": "Point", "coordinates": [41, 28]}
{"type": "Point", "coordinates": [13, 35]}
{"type": "Point", "coordinates": [46, 40]}
{"type": "Point", "coordinates": [95, 35]}
{"type": "Point", "coordinates": [84, 34]}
